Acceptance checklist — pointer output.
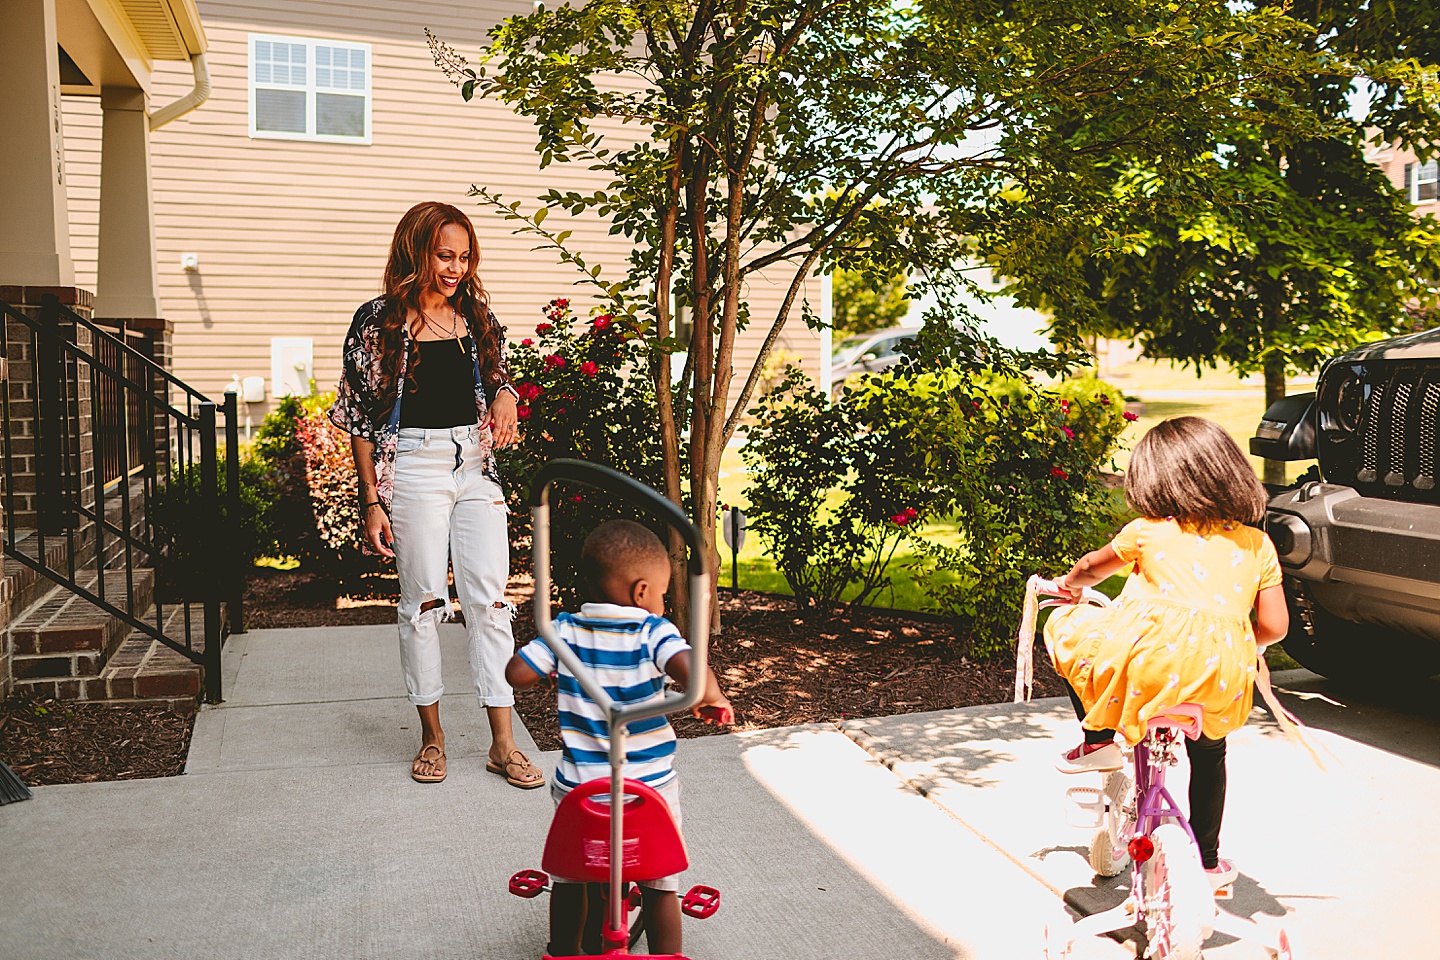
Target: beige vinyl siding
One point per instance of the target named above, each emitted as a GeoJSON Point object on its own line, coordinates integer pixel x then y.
{"type": "Point", "coordinates": [292, 235]}
{"type": "Point", "coordinates": [80, 119]}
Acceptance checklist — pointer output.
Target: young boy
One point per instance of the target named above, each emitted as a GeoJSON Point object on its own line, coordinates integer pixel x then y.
{"type": "Point", "coordinates": [632, 647]}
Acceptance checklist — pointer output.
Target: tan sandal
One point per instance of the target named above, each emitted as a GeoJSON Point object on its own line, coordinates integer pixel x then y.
{"type": "Point", "coordinates": [432, 756]}
{"type": "Point", "coordinates": [514, 770]}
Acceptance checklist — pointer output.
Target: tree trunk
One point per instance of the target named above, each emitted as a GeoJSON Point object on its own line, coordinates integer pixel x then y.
{"type": "Point", "coordinates": [1274, 390]}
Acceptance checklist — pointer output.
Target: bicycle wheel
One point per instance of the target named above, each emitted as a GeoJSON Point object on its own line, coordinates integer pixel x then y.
{"type": "Point", "coordinates": [1178, 903]}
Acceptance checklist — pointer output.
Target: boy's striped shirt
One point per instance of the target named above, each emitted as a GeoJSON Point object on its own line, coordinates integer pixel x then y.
{"type": "Point", "coordinates": [627, 649]}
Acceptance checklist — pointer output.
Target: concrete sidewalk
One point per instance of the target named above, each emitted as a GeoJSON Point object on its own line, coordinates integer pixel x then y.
{"type": "Point", "coordinates": [297, 832]}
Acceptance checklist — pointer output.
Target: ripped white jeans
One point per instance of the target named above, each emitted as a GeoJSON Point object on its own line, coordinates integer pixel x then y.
{"type": "Point", "coordinates": [445, 509]}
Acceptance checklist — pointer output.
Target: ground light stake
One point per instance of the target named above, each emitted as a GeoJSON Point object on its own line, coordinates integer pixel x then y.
{"type": "Point", "coordinates": [733, 527]}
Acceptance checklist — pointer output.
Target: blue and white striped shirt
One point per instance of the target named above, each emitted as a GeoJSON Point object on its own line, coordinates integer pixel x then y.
{"type": "Point", "coordinates": [627, 649]}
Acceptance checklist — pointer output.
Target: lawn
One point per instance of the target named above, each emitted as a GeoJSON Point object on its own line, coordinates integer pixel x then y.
{"type": "Point", "coordinates": [1165, 391]}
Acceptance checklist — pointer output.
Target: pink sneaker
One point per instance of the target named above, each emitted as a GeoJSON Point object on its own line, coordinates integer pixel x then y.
{"type": "Point", "coordinates": [1222, 874]}
{"type": "Point", "coordinates": [1091, 758]}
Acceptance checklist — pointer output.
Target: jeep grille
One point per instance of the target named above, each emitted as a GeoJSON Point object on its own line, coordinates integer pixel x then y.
{"type": "Point", "coordinates": [1390, 452]}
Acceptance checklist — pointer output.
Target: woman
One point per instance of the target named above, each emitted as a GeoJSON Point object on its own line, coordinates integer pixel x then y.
{"type": "Point", "coordinates": [426, 397]}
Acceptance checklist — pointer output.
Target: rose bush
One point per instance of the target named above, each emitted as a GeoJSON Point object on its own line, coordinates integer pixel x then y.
{"type": "Point", "coordinates": [585, 393]}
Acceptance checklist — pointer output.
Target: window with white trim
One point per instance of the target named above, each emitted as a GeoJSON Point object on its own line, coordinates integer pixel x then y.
{"type": "Point", "coordinates": [1424, 181]}
{"type": "Point", "coordinates": [305, 89]}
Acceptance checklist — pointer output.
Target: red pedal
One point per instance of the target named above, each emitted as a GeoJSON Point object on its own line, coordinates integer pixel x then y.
{"type": "Point", "coordinates": [700, 902]}
{"type": "Point", "coordinates": [529, 883]}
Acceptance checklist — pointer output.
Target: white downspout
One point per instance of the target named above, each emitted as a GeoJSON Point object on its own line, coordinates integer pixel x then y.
{"type": "Point", "coordinates": [191, 100]}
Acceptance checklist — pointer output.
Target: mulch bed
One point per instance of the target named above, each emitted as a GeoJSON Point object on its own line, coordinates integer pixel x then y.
{"type": "Point", "coordinates": [779, 668]}
{"type": "Point", "coordinates": [49, 741]}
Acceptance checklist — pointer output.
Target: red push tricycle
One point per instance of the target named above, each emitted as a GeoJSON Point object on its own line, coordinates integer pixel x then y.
{"type": "Point", "coordinates": [584, 835]}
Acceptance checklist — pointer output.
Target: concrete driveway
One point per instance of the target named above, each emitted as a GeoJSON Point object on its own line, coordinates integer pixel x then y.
{"type": "Point", "coordinates": [1344, 858]}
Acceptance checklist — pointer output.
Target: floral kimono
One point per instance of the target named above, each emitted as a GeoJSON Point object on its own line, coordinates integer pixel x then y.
{"type": "Point", "coordinates": [360, 408]}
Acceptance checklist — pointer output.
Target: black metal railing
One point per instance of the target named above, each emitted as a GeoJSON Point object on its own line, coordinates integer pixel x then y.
{"type": "Point", "coordinates": [120, 428]}
{"type": "Point", "coordinates": [156, 449]}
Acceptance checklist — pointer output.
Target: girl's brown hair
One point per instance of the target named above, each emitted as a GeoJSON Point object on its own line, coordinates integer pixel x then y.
{"type": "Point", "coordinates": [410, 270]}
{"type": "Point", "coordinates": [1188, 468]}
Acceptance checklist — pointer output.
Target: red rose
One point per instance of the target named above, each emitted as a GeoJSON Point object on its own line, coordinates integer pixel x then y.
{"type": "Point", "coordinates": [562, 302]}
{"type": "Point", "coordinates": [544, 328]}
{"type": "Point", "coordinates": [1069, 434]}
{"type": "Point", "coordinates": [911, 512]}
{"type": "Point", "coordinates": [554, 362]}
{"type": "Point", "coordinates": [523, 411]}
{"type": "Point", "coordinates": [527, 342]}
{"type": "Point", "coordinates": [1132, 417]}
{"type": "Point", "coordinates": [899, 519]}
{"type": "Point", "coordinates": [1057, 472]}
{"type": "Point", "coordinates": [589, 368]}
{"type": "Point", "coordinates": [1104, 400]}
{"type": "Point", "coordinates": [602, 321]}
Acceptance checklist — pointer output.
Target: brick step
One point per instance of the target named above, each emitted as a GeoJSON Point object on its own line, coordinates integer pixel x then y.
{"type": "Point", "coordinates": [65, 636]}
{"type": "Point", "coordinates": [23, 586]}
{"type": "Point", "coordinates": [141, 671]}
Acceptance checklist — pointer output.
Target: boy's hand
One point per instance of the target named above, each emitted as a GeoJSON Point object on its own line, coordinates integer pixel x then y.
{"type": "Point", "coordinates": [719, 712]}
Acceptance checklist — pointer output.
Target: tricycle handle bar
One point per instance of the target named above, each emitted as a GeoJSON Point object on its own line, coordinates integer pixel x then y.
{"type": "Point", "coordinates": [595, 475]}
{"type": "Point", "coordinates": [627, 488]}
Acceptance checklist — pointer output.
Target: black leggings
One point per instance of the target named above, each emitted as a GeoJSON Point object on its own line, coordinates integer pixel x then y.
{"type": "Point", "coordinates": [1207, 783]}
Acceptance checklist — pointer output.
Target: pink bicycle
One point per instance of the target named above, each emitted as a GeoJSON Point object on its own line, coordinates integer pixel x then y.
{"type": "Point", "coordinates": [1138, 822]}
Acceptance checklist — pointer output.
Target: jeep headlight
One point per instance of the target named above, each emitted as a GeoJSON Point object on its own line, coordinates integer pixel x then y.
{"type": "Point", "coordinates": [1344, 404]}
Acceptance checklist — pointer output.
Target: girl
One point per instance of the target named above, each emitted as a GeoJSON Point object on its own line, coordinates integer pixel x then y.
{"type": "Point", "coordinates": [1180, 632]}
{"type": "Point", "coordinates": [427, 398]}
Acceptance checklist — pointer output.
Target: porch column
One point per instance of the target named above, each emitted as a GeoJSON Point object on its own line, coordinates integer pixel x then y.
{"type": "Point", "coordinates": [34, 223]}
{"type": "Point", "coordinates": [125, 284]}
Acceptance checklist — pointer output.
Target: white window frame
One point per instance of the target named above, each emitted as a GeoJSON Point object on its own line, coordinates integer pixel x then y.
{"type": "Point", "coordinates": [1433, 167]}
{"type": "Point", "coordinates": [309, 87]}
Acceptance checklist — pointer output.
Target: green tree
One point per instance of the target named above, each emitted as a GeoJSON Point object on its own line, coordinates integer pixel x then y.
{"type": "Point", "coordinates": [1295, 248]}
{"type": "Point", "coordinates": [864, 303]}
{"type": "Point", "coordinates": [787, 137]}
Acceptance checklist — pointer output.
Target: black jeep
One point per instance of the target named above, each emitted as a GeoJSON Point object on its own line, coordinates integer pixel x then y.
{"type": "Point", "coordinates": [1359, 538]}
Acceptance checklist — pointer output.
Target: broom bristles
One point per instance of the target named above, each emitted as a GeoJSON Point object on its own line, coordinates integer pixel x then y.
{"type": "Point", "coordinates": [11, 789]}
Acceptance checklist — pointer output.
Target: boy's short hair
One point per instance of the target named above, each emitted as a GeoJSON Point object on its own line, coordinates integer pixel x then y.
{"type": "Point", "coordinates": [1190, 469]}
{"type": "Point", "coordinates": [618, 545]}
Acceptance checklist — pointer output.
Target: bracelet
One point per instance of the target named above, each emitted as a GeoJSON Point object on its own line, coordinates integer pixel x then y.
{"type": "Point", "coordinates": [367, 506]}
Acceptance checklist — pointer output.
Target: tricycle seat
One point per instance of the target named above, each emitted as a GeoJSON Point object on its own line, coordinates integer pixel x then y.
{"type": "Point", "coordinates": [578, 846]}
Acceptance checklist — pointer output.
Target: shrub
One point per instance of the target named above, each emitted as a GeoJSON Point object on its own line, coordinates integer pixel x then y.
{"type": "Point", "coordinates": [585, 393]}
{"type": "Point", "coordinates": [191, 555]}
{"type": "Point", "coordinates": [1018, 468]}
{"type": "Point", "coordinates": [831, 499]}
{"type": "Point", "coordinates": [278, 447]}
{"type": "Point", "coordinates": [1014, 465]}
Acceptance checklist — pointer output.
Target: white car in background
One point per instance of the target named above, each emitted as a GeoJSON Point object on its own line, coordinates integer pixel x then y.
{"type": "Point", "coordinates": [871, 352]}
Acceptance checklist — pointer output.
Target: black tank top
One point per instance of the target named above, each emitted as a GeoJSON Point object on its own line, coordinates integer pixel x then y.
{"type": "Point", "coordinates": [440, 389]}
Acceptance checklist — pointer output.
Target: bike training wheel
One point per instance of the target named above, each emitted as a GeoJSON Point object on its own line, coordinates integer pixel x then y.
{"type": "Point", "coordinates": [1105, 859]}
{"type": "Point", "coordinates": [1179, 904]}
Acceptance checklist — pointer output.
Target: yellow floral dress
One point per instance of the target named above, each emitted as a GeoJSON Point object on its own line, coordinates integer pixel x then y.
{"type": "Point", "coordinates": [1178, 633]}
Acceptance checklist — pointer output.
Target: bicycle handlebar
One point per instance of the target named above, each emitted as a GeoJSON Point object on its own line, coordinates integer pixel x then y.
{"type": "Point", "coordinates": [1048, 588]}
